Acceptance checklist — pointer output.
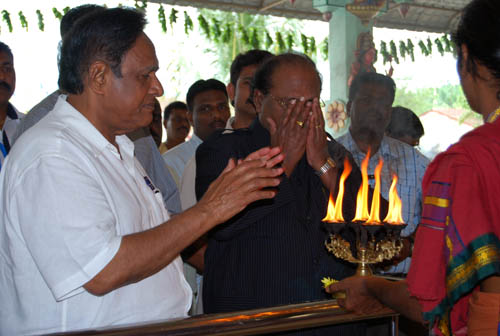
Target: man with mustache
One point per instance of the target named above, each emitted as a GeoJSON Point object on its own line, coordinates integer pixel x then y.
{"type": "Point", "coordinates": [208, 110]}
{"type": "Point", "coordinates": [177, 125]}
{"type": "Point", "coordinates": [370, 106]}
{"type": "Point", "coordinates": [9, 116]}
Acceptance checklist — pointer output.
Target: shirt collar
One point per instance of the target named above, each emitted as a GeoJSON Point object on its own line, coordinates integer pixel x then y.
{"type": "Point", "coordinates": [77, 123]}
{"type": "Point", "coordinates": [11, 112]}
{"type": "Point", "coordinates": [384, 149]}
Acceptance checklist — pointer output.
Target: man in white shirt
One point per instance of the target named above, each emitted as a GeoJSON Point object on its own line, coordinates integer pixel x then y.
{"type": "Point", "coordinates": [9, 116]}
{"type": "Point", "coordinates": [370, 105]}
{"type": "Point", "coordinates": [208, 110]}
{"type": "Point", "coordinates": [85, 240]}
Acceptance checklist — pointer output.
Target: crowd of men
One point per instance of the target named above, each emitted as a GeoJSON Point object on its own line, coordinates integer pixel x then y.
{"type": "Point", "coordinates": [97, 210]}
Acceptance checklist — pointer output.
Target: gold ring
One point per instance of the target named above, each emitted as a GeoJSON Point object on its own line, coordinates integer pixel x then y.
{"type": "Point", "coordinates": [300, 123]}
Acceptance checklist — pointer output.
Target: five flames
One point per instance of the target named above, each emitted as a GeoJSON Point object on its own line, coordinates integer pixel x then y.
{"type": "Point", "coordinates": [372, 217]}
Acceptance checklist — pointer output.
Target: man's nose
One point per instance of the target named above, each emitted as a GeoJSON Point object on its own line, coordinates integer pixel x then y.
{"type": "Point", "coordinates": [156, 87]}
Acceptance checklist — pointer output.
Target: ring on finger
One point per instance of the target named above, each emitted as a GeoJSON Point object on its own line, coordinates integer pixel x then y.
{"type": "Point", "coordinates": [300, 123]}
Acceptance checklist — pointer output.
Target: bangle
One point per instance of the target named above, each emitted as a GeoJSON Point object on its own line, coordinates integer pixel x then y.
{"type": "Point", "coordinates": [329, 164]}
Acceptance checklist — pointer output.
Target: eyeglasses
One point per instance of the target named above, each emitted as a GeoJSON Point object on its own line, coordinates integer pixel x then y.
{"type": "Point", "coordinates": [285, 102]}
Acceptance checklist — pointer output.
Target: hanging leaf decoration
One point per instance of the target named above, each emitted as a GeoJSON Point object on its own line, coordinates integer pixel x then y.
{"type": "Point", "coordinates": [6, 18]}
{"type": "Point", "coordinates": [411, 49]}
{"type": "Point", "coordinates": [57, 14]}
{"type": "Point", "coordinates": [269, 40]}
{"type": "Point", "coordinates": [447, 43]}
{"type": "Point", "coordinates": [324, 48]}
{"type": "Point", "coordinates": [66, 9]}
{"type": "Point", "coordinates": [290, 41]}
{"type": "Point", "coordinates": [162, 19]}
{"type": "Point", "coordinates": [254, 39]}
{"type": "Point", "coordinates": [303, 41]}
{"type": "Point", "coordinates": [188, 23]}
{"type": "Point", "coordinates": [385, 54]}
{"type": "Point", "coordinates": [423, 48]}
{"type": "Point", "coordinates": [173, 17]}
{"type": "Point", "coordinates": [394, 51]}
{"type": "Point", "coordinates": [312, 45]}
{"type": "Point", "coordinates": [439, 46]}
{"type": "Point", "coordinates": [281, 42]}
{"type": "Point", "coordinates": [244, 34]}
{"type": "Point", "coordinates": [22, 18]}
{"type": "Point", "coordinates": [402, 49]}
{"type": "Point", "coordinates": [227, 34]}
{"type": "Point", "coordinates": [429, 46]}
{"type": "Point", "coordinates": [204, 26]}
{"type": "Point", "coordinates": [39, 15]}
{"type": "Point", "coordinates": [216, 31]}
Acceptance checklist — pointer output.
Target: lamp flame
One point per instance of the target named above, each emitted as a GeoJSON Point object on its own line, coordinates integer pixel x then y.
{"type": "Point", "coordinates": [334, 210]}
{"type": "Point", "coordinates": [362, 198]}
{"type": "Point", "coordinates": [375, 209]}
{"type": "Point", "coordinates": [395, 205]}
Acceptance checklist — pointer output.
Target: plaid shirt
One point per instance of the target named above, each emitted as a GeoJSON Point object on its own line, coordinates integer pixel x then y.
{"type": "Point", "coordinates": [409, 165]}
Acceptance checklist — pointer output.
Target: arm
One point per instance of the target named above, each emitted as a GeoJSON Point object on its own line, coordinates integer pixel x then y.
{"type": "Point", "coordinates": [145, 253]}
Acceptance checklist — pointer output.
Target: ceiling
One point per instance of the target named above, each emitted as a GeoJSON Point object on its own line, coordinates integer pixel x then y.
{"type": "Point", "coordinates": [439, 16]}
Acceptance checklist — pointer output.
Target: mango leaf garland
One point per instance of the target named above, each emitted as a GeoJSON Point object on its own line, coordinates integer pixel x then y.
{"type": "Point", "coordinates": [188, 23]}
{"type": "Point", "coordinates": [312, 45]}
{"type": "Point", "coordinates": [22, 18]}
{"type": "Point", "coordinates": [439, 46]}
{"type": "Point", "coordinates": [447, 43]}
{"type": "Point", "coordinates": [394, 52]}
{"type": "Point", "coordinates": [66, 9]}
{"type": "Point", "coordinates": [324, 48]}
{"type": "Point", "coordinates": [303, 40]}
{"type": "Point", "coordinates": [227, 34]}
{"type": "Point", "coordinates": [411, 49]}
{"type": "Point", "coordinates": [423, 48]}
{"type": "Point", "coordinates": [6, 18]}
{"type": "Point", "coordinates": [204, 26]}
{"type": "Point", "coordinates": [402, 49]}
{"type": "Point", "coordinates": [281, 42]}
{"type": "Point", "coordinates": [254, 39]}
{"type": "Point", "coordinates": [216, 31]}
{"type": "Point", "coordinates": [385, 54]}
{"type": "Point", "coordinates": [57, 13]}
{"type": "Point", "coordinates": [162, 19]}
{"type": "Point", "coordinates": [290, 41]}
{"type": "Point", "coordinates": [173, 17]}
{"type": "Point", "coordinates": [41, 25]}
{"type": "Point", "coordinates": [269, 40]}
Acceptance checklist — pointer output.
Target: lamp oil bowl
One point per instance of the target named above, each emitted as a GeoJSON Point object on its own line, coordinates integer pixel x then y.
{"type": "Point", "coordinates": [373, 240]}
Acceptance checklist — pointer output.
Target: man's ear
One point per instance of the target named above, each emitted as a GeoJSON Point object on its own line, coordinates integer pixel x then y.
{"type": "Point", "coordinates": [231, 91]}
{"type": "Point", "coordinates": [189, 116]}
{"type": "Point", "coordinates": [258, 97]}
{"type": "Point", "coordinates": [98, 76]}
{"type": "Point", "coordinates": [348, 108]}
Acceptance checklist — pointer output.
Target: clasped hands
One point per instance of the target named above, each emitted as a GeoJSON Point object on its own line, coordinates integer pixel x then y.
{"type": "Point", "coordinates": [300, 129]}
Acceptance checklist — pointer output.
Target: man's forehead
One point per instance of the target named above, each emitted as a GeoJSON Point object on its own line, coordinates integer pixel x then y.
{"type": "Point", "coordinates": [143, 54]}
{"type": "Point", "coordinates": [6, 59]}
{"type": "Point", "coordinates": [373, 88]}
{"type": "Point", "coordinates": [210, 97]}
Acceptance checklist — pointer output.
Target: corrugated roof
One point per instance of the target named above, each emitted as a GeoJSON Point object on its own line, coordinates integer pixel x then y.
{"type": "Point", "coordinates": [439, 16]}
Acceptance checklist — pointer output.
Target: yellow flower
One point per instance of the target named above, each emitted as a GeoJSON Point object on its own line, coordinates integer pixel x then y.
{"type": "Point", "coordinates": [328, 281]}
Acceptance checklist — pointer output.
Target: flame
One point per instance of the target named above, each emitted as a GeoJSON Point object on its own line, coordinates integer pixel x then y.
{"type": "Point", "coordinates": [334, 211]}
{"type": "Point", "coordinates": [375, 209]}
{"type": "Point", "coordinates": [362, 198]}
{"type": "Point", "coordinates": [395, 205]}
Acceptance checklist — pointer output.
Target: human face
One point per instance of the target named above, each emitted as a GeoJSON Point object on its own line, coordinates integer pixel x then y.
{"type": "Point", "coordinates": [288, 82]}
{"type": "Point", "coordinates": [242, 92]}
{"type": "Point", "coordinates": [7, 78]}
{"type": "Point", "coordinates": [370, 111]}
{"type": "Point", "coordinates": [177, 124]}
{"type": "Point", "coordinates": [210, 112]}
{"type": "Point", "coordinates": [130, 99]}
{"type": "Point", "coordinates": [156, 128]}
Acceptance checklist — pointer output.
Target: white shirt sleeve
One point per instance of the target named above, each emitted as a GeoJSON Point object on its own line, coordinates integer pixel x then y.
{"type": "Point", "coordinates": [73, 241]}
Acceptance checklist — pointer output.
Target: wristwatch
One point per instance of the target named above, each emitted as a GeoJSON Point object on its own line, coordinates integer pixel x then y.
{"type": "Point", "coordinates": [326, 167]}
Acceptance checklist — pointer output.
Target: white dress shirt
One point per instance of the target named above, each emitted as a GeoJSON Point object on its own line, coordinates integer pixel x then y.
{"type": "Point", "coordinates": [68, 197]}
{"type": "Point", "coordinates": [176, 158]}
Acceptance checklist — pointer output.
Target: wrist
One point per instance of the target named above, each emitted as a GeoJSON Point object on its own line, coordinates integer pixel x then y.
{"type": "Point", "coordinates": [327, 165]}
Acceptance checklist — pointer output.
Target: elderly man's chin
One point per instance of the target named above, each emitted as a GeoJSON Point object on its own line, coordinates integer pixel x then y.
{"type": "Point", "coordinates": [370, 134]}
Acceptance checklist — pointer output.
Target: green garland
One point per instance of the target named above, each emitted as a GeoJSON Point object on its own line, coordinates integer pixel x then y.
{"type": "Point", "coordinates": [188, 23]}
{"type": "Point", "coordinates": [162, 19]}
{"type": "Point", "coordinates": [257, 38]}
{"type": "Point", "coordinates": [23, 21]}
{"type": "Point", "coordinates": [41, 25]}
{"type": "Point", "coordinates": [6, 18]}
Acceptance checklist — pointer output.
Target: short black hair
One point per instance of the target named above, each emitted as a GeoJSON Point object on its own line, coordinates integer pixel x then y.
{"type": "Point", "coordinates": [6, 49]}
{"type": "Point", "coordinates": [202, 86]}
{"type": "Point", "coordinates": [172, 106]}
{"type": "Point", "coordinates": [251, 57]}
{"type": "Point", "coordinates": [372, 78]}
{"type": "Point", "coordinates": [102, 35]}
{"type": "Point", "coordinates": [262, 80]}
{"type": "Point", "coordinates": [479, 30]}
{"type": "Point", "coordinates": [404, 122]}
{"type": "Point", "coordinates": [75, 13]}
